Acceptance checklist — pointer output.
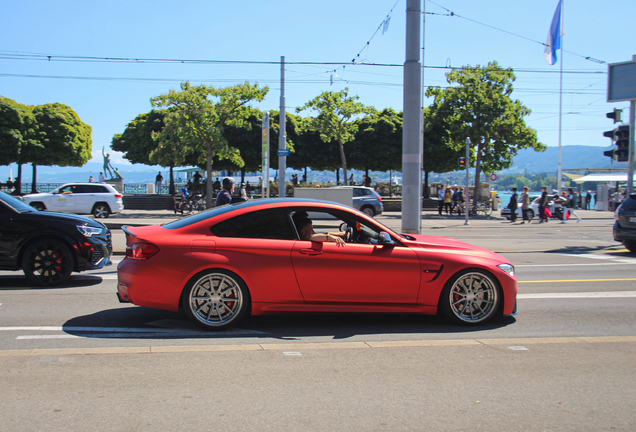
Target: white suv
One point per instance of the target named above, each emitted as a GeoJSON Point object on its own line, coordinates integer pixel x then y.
{"type": "Point", "coordinates": [98, 199]}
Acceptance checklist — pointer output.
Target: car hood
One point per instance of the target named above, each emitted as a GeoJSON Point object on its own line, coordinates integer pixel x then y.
{"type": "Point", "coordinates": [35, 196]}
{"type": "Point", "coordinates": [452, 244]}
{"type": "Point", "coordinates": [66, 217]}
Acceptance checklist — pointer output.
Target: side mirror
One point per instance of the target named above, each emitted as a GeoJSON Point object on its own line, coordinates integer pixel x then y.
{"type": "Point", "coordinates": [385, 239]}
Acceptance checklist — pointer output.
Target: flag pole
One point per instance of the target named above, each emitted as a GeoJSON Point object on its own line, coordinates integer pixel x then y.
{"type": "Point", "coordinates": [559, 171]}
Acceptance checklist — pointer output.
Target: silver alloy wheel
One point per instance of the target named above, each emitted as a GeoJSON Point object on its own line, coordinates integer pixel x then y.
{"type": "Point", "coordinates": [101, 211]}
{"type": "Point", "coordinates": [216, 300]}
{"type": "Point", "coordinates": [473, 297]}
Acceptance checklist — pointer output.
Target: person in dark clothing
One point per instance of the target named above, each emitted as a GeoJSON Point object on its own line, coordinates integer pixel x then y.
{"type": "Point", "coordinates": [543, 203]}
{"type": "Point", "coordinates": [225, 196]}
{"type": "Point", "coordinates": [512, 205]}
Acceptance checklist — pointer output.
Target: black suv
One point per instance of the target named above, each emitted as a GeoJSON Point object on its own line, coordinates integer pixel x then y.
{"type": "Point", "coordinates": [48, 246]}
{"type": "Point", "coordinates": [625, 225]}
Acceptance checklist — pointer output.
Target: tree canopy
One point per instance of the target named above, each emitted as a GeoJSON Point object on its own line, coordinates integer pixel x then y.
{"type": "Point", "coordinates": [196, 120]}
{"type": "Point", "coordinates": [478, 105]}
{"type": "Point", "coordinates": [333, 122]}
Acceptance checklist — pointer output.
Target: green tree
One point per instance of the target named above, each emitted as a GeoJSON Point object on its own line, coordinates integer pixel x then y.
{"type": "Point", "coordinates": [378, 142]}
{"type": "Point", "coordinates": [17, 125]}
{"type": "Point", "coordinates": [478, 105]}
{"type": "Point", "coordinates": [333, 122]}
{"type": "Point", "coordinates": [197, 119]}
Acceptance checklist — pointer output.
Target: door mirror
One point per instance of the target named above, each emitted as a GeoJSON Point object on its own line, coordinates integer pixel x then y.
{"type": "Point", "coordinates": [385, 239]}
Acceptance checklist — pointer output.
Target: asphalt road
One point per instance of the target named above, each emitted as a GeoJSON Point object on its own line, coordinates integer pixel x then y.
{"type": "Point", "coordinates": [73, 358]}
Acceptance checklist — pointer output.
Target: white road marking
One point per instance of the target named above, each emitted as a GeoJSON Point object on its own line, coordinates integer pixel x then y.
{"type": "Point", "coordinates": [587, 295]}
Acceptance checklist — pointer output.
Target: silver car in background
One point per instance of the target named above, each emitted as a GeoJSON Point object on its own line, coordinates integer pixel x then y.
{"type": "Point", "coordinates": [365, 199]}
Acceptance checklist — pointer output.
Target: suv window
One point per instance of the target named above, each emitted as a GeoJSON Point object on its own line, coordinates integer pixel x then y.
{"type": "Point", "coordinates": [96, 189]}
{"type": "Point", "coordinates": [265, 224]}
{"type": "Point", "coordinates": [629, 204]}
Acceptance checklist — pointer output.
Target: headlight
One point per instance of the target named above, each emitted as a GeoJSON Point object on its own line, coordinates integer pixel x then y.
{"type": "Point", "coordinates": [89, 231]}
{"type": "Point", "coordinates": [508, 269]}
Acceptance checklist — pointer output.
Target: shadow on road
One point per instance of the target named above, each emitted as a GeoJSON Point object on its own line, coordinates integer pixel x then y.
{"type": "Point", "coordinates": [142, 323]}
{"type": "Point", "coordinates": [22, 283]}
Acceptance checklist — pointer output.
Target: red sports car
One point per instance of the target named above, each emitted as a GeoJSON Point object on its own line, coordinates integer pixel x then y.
{"type": "Point", "coordinates": [260, 257]}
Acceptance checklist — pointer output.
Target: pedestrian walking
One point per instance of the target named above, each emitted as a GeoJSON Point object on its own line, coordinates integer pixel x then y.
{"type": "Point", "coordinates": [512, 205]}
{"type": "Point", "coordinates": [440, 198]}
{"type": "Point", "coordinates": [569, 205]}
{"type": "Point", "coordinates": [525, 205]}
{"type": "Point", "coordinates": [543, 205]}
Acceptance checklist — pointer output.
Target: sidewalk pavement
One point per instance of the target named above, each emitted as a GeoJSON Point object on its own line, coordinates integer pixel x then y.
{"type": "Point", "coordinates": [155, 217]}
{"type": "Point", "coordinates": [493, 232]}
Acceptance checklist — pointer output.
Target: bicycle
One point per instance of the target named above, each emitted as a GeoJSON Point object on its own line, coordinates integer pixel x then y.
{"type": "Point", "coordinates": [481, 208]}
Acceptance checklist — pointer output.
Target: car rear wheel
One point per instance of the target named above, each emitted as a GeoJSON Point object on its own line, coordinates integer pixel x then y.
{"type": "Point", "coordinates": [470, 297]}
{"type": "Point", "coordinates": [38, 206]}
{"type": "Point", "coordinates": [630, 246]}
{"type": "Point", "coordinates": [47, 262]}
{"type": "Point", "coordinates": [101, 211]}
{"type": "Point", "coordinates": [368, 211]}
{"type": "Point", "coordinates": [216, 300]}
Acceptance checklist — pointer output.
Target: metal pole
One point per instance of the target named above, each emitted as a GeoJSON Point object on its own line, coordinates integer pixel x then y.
{"type": "Point", "coordinates": [265, 149]}
{"type": "Point", "coordinates": [467, 192]}
{"type": "Point", "coordinates": [559, 172]}
{"type": "Point", "coordinates": [632, 157]}
{"type": "Point", "coordinates": [282, 135]}
{"type": "Point", "coordinates": [412, 125]}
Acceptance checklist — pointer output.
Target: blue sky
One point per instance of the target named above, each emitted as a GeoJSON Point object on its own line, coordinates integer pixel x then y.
{"type": "Point", "coordinates": [107, 95]}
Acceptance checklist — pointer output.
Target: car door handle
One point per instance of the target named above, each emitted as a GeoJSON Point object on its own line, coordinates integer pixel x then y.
{"type": "Point", "coordinates": [310, 252]}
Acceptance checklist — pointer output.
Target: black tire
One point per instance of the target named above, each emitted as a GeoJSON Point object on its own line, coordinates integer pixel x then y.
{"type": "Point", "coordinates": [101, 210]}
{"type": "Point", "coordinates": [630, 245]}
{"type": "Point", "coordinates": [216, 299]}
{"type": "Point", "coordinates": [38, 206]}
{"type": "Point", "coordinates": [368, 210]}
{"type": "Point", "coordinates": [47, 262]}
{"type": "Point", "coordinates": [471, 297]}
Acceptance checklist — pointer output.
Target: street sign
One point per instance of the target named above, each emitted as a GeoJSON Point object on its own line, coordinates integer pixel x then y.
{"type": "Point", "coordinates": [621, 82]}
{"type": "Point", "coordinates": [283, 152]}
{"type": "Point", "coordinates": [493, 177]}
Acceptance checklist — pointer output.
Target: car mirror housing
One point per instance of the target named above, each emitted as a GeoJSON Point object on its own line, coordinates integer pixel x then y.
{"type": "Point", "coordinates": [385, 239]}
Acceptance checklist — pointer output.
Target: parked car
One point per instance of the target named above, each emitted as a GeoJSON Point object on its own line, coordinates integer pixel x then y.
{"type": "Point", "coordinates": [625, 223]}
{"type": "Point", "coordinates": [49, 246]}
{"type": "Point", "coordinates": [533, 211]}
{"type": "Point", "coordinates": [230, 261]}
{"type": "Point", "coordinates": [366, 200]}
{"type": "Point", "coordinates": [98, 199]}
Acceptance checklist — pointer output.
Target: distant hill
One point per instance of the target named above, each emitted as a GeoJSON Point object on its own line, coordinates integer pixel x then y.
{"type": "Point", "coordinates": [526, 161]}
{"type": "Point", "coordinates": [574, 156]}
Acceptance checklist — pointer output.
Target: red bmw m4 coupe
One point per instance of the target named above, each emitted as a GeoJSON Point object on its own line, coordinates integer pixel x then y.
{"type": "Point", "coordinates": [303, 256]}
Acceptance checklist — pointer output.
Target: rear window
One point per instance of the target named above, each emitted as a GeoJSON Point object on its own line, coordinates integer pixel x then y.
{"type": "Point", "coordinates": [629, 204]}
{"type": "Point", "coordinates": [264, 224]}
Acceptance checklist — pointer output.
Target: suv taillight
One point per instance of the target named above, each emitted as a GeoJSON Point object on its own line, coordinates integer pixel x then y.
{"type": "Point", "coordinates": [118, 195]}
{"type": "Point", "coordinates": [141, 251]}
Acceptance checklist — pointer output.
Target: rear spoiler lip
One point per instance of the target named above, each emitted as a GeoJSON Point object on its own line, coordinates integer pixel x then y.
{"type": "Point", "coordinates": [127, 231]}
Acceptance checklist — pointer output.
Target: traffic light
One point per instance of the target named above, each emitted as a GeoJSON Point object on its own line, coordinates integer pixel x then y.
{"type": "Point", "coordinates": [615, 115]}
{"type": "Point", "coordinates": [462, 162]}
{"type": "Point", "coordinates": [621, 134]}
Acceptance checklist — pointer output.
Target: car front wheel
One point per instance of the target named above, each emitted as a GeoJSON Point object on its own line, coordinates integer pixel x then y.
{"type": "Point", "coordinates": [101, 211]}
{"type": "Point", "coordinates": [38, 206]}
{"type": "Point", "coordinates": [216, 300]}
{"type": "Point", "coordinates": [470, 297]}
{"type": "Point", "coordinates": [47, 262]}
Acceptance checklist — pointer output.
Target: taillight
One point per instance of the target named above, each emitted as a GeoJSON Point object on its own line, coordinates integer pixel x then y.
{"type": "Point", "coordinates": [118, 195]}
{"type": "Point", "coordinates": [141, 251]}
{"type": "Point", "coordinates": [380, 199]}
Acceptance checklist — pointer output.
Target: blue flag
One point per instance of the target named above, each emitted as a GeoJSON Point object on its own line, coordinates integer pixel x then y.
{"type": "Point", "coordinates": [554, 35]}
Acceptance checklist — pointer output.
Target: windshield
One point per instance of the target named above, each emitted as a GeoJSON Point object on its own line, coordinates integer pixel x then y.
{"type": "Point", "coordinates": [15, 203]}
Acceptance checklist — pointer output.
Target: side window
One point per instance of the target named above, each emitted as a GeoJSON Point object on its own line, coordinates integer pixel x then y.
{"type": "Point", "coordinates": [357, 192]}
{"type": "Point", "coordinates": [81, 189]}
{"type": "Point", "coordinates": [366, 192]}
{"type": "Point", "coordinates": [65, 189]}
{"type": "Point", "coordinates": [265, 224]}
{"type": "Point", "coordinates": [96, 189]}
